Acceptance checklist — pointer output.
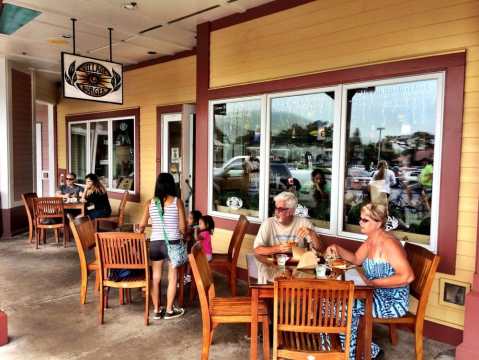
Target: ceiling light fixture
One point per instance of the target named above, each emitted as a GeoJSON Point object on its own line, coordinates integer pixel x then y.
{"type": "Point", "coordinates": [152, 53]}
{"type": "Point", "coordinates": [130, 5]}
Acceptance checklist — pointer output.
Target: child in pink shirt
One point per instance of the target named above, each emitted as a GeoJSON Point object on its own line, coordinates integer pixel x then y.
{"type": "Point", "coordinates": [206, 227]}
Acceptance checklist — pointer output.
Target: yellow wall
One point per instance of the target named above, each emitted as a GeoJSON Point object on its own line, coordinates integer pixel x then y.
{"type": "Point", "coordinates": [45, 89]}
{"type": "Point", "coordinates": [326, 35]}
{"type": "Point", "coordinates": [168, 83]}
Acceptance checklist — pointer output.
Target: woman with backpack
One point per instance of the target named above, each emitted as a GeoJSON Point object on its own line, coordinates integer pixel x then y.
{"type": "Point", "coordinates": [168, 220]}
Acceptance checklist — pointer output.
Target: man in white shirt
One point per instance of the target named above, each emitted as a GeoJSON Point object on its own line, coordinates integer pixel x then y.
{"type": "Point", "coordinates": [278, 233]}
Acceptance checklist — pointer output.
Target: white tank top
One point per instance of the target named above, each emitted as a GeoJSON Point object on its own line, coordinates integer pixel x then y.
{"type": "Point", "coordinates": [170, 222]}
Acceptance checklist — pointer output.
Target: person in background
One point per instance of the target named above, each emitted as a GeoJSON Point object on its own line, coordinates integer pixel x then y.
{"type": "Point", "coordinates": [385, 267]}
{"type": "Point", "coordinates": [320, 193]}
{"type": "Point", "coordinates": [384, 173]}
{"type": "Point", "coordinates": [191, 227]}
{"type": "Point", "coordinates": [96, 198]}
{"type": "Point", "coordinates": [70, 189]}
{"type": "Point", "coordinates": [206, 228]}
{"type": "Point", "coordinates": [192, 223]}
{"type": "Point", "coordinates": [168, 223]}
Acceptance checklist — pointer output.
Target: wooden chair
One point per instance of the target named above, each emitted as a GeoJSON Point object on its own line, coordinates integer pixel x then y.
{"type": "Point", "coordinates": [227, 262]}
{"type": "Point", "coordinates": [122, 250]}
{"type": "Point", "coordinates": [49, 214]}
{"type": "Point", "coordinates": [424, 264]}
{"type": "Point", "coordinates": [307, 313]}
{"type": "Point", "coordinates": [216, 310]}
{"type": "Point", "coordinates": [83, 232]}
{"type": "Point", "coordinates": [29, 208]}
{"type": "Point", "coordinates": [115, 220]}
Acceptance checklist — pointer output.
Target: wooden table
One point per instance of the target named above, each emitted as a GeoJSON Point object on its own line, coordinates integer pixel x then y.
{"type": "Point", "coordinates": [75, 206]}
{"type": "Point", "coordinates": [266, 291]}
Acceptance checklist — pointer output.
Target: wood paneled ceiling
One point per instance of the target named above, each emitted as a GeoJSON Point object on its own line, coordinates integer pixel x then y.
{"type": "Point", "coordinates": [155, 28]}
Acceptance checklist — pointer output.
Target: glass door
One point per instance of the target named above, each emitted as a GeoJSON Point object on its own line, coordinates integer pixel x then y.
{"type": "Point", "coordinates": [171, 147]}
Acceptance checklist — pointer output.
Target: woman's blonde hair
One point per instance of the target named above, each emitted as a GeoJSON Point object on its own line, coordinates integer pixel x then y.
{"type": "Point", "coordinates": [377, 212]}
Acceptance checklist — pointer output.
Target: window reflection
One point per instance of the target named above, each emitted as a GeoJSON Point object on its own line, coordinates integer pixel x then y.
{"type": "Point", "coordinates": [99, 154]}
{"type": "Point", "coordinates": [301, 152]}
{"type": "Point", "coordinates": [78, 151]}
{"type": "Point", "coordinates": [123, 154]}
{"type": "Point", "coordinates": [391, 127]}
{"type": "Point", "coordinates": [237, 128]}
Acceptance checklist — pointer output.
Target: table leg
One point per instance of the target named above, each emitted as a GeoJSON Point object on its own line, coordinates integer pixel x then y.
{"type": "Point", "coordinates": [254, 324]}
{"type": "Point", "coordinates": [368, 326]}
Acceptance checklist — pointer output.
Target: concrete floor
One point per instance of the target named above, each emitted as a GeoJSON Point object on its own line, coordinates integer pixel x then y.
{"type": "Point", "coordinates": [39, 291]}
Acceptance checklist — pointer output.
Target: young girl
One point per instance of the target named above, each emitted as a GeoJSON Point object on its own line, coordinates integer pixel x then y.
{"type": "Point", "coordinates": [193, 220]}
{"type": "Point", "coordinates": [206, 228]}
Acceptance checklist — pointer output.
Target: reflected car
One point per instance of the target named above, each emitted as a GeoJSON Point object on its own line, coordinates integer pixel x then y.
{"type": "Point", "coordinates": [358, 178]}
{"type": "Point", "coordinates": [232, 177]}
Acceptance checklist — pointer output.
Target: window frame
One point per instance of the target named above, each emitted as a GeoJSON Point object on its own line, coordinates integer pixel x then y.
{"type": "Point", "coordinates": [109, 117]}
{"type": "Point", "coordinates": [339, 149]}
{"type": "Point", "coordinates": [211, 211]}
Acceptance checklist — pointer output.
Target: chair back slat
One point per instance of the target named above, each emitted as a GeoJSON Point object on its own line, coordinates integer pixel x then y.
{"type": "Point", "coordinates": [305, 310]}
{"type": "Point", "coordinates": [121, 250]}
{"type": "Point", "coordinates": [48, 207]}
{"type": "Point", "coordinates": [237, 238]}
{"type": "Point", "coordinates": [424, 265]}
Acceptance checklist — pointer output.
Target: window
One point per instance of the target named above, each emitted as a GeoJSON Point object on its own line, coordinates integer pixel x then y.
{"type": "Point", "coordinates": [328, 146]}
{"type": "Point", "coordinates": [236, 165]}
{"type": "Point", "coordinates": [108, 151]}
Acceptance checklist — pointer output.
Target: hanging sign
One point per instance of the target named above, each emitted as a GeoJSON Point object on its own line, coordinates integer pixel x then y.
{"type": "Point", "coordinates": [92, 79]}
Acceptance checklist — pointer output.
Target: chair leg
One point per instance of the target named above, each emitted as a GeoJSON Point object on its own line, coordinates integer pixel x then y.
{"type": "Point", "coordinates": [147, 305]}
{"type": "Point", "coordinates": [37, 238]}
{"type": "Point", "coordinates": [57, 238]}
{"type": "Point", "coordinates": [393, 335]}
{"type": "Point", "coordinates": [265, 325]}
{"type": "Point", "coordinates": [30, 232]}
{"type": "Point", "coordinates": [83, 287]}
{"type": "Point", "coordinates": [205, 348]}
{"type": "Point", "coordinates": [97, 282]}
{"type": "Point", "coordinates": [65, 236]}
{"type": "Point", "coordinates": [192, 291]}
{"type": "Point", "coordinates": [213, 328]}
{"type": "Point", "coordinates": [418, 334]}
{"type": "Point", "coordinates": [101, 306]}
{"type": "Point", "coordinates": [121, 296]}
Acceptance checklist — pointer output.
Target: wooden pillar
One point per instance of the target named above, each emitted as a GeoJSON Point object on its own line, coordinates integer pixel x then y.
{"type": "Point", "coordinates": [469, 349]}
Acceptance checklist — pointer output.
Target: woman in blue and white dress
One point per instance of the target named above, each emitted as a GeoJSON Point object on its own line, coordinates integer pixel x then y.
{"type": "Point", "coordinates": [385, 266]}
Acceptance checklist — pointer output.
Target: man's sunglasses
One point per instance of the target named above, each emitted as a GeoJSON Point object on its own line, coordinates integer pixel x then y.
{"type": "Point", "coordinates": [70, 178]}
{"type": "Point", "coordinates": [363, 220]}
{"type": "Point", "coordinates": [281, 209]}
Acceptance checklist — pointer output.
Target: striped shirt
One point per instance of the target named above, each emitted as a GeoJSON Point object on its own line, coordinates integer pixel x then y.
{"type": "Point", "coordinates": [170, 222]}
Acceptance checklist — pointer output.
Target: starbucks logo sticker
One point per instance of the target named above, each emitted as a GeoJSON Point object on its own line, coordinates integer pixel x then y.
{"type": "Point", "coordinates": [234, 203]}
{"type": "Point", "coordinates": [301, 211]}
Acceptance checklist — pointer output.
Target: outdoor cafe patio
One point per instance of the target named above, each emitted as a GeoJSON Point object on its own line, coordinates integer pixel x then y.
{"type": "Point", "coordinates": [48, 322]}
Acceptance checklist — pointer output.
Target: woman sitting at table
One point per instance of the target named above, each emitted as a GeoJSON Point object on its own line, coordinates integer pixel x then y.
{"type": "Point", "coordinates": [385, 267]}
{"type": "Point", "coordinates": [96, 198]}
